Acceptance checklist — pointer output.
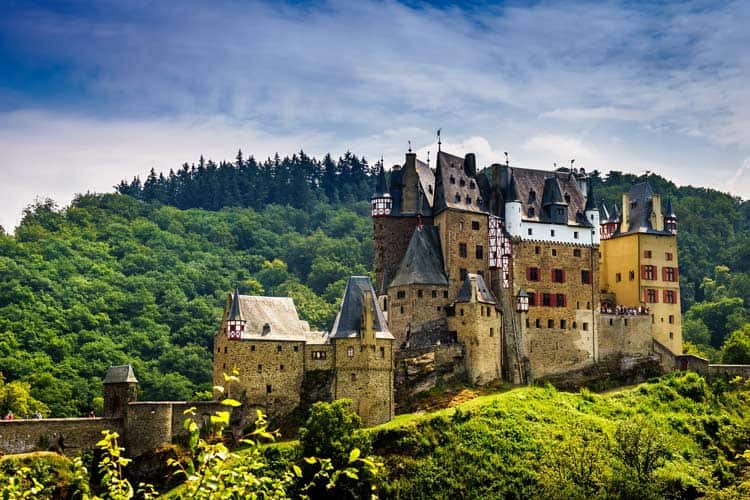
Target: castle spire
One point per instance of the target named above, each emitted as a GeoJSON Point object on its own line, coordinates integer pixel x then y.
{"type": "Point", "coordinates": [590, 201]}
{"type": "Point", "coordinates": [513, 190]}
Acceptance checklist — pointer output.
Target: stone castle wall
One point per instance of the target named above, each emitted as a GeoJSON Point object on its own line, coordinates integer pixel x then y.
{"type": "Point", "coordinates": [455, 229]}
{"type": "Point", "coordinates": [420, 304]}
{"type": "Point", "coordinates": [270, 371]}
{"type": "Point", "coordinates": [479, 329]}
{"type": "Point", "coordinates": [391, 236]}
{"type": "Point", "coordinates": [420, 369]}
{"type": "Point", "coordinates": [627, 335]}
{"type": "Point", "coordinates": [71, 435]}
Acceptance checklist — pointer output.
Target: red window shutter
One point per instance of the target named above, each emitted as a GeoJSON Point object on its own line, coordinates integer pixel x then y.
{"type": "Point", "coordinates": [676, 294]}
{"type": "Point", "coordinates": [528, 274]}
{"type": "Point", "coordinates": [664, 274]}
{"type": "Point", "coordinates": [656, 296]}
{"type": "Point", "coordinates": [565, 276]}
{"type": "Point", "coordinates": [664, 296]}
{"type": "Point", "coordinates": [552, 299]}
{"type": "Point", "coordinates": [643, 272]}
{"type": "Point", "coordinates": [656, 272]}
{"type": "Point", "coordinates": [552, 275]}
{"type": "Point", "coordinates": [565, 301]}
{"type": "Point", "coordinates": [645, 295]}
{"type": "Point", "coordinates": [676, 274]}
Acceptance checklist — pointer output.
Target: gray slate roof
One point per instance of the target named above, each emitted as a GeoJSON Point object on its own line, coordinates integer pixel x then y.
{"type": "Point", "coordinates": [349, 319]}
{"type": "Point", "coordinates": [640, 197]}
{"type": "Point", "coordinates": [453, 194]}
{"type": "Point", "coordinates": [475, 289]}
{"type": "Point", "coordinates": [427, 182]}
{"type": "Point", "coordinates": [271, 318]}
{"type": "Point", "coordinates": [120, 375]}
{"type": "Point", "coordinates": [528, 180]}
{"type": "Point", "coordinates": [235, 313]}
{"type": "Point", "coordinates": [422, 263]}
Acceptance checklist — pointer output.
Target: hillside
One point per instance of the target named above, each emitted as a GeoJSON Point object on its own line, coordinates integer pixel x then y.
{"type": "Point", "coordinates": [141, 277]}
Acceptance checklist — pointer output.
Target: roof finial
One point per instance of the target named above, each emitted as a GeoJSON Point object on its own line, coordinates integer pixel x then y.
{"type": "Point", "coordinates": [572, 161]}
{"type": "Point", "coordinates": [428, 158]}
{"type": "Point", "coordinates": [507, 162]}
{"type": "Point", "coordinates": [439, 143]}
{"type": "Point", "coordinates": [409, 146]}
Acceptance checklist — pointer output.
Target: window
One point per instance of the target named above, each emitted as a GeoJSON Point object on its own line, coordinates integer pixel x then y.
{"type": "Point", "coordinates": [461, 226]}
{"type": "Point", "coordinates": [462, 272]}
{"type": "Point", "coordinates": [445, 294]}
{"type": "Point", "coordinates": [618, 277]}
{"type": "Point", "coordinates": [670, 297]}
{"type": "Point", "coordinates": [382, 352]}
{"type": "Point", "coordinates": [468, 199]}
{"type": "Point", "coordinates": [532, 196]}
{"type": "Point", "coordinates": [260, 368]}
{"type": "Point", "coordinates": [471, 184]}
{"type": "Point", "coordinates": [552, 232]}
{"type": "Point", "coordinates": [546, 299]}
{"type": "Point", "coordinates": [567, 198]}
{"type": "Point", "coordinates": [550, 323]}
{"type": "Point", "coordinates": [631, 275]}
{"type": "Point", "coordinates": [225, 350]}
{"type": "Point", "coordinates": [492, 332]}
{"type": "Point", "coordinates": [296, 348]}
{"type": "Point", "coordinates": [585, 327]}
{"type": "Point", "coordinates": [671, 318]}
{"type": "Point", "coordinates": [480, 252]}
{"type": "Point", "coordinates": [458, 198]}
{"type": "Point", "coordinates": [281, 368]}
{"type": "Point", "coordinates": [350, 352]}
{"type": "Point", "coordinates": [532, 273]}
{"type": "Point", "coordinates": [575, 325]}
{"type": "Point", "coordinates": [647, 254]}
{"type": "Point", "coordinates": [419, 294]}
{"type": "Point", "coordinates": [554, 252]}
{"type": "Point", "coordinates": [401, 294]}
{"type": "Point", "coordinates": [354, 377]}
{"type": "Point", "coordinates": [576, 252]}
{"type": "Point", "coordinates": [671, 335]}
{"type": "Point", "coordinates": [648, 272]}
{"type": "Point", "coordinates": [318, 355]}
{"type": "Point", "coordinates": [530, 231]}
{"type": "Point", "coordinates": [532, 298]}
{"type": "Point", "coordinates": [278, 348]}
{"type": "Point", "coordinates": [575, 235]}
{"type": "Point", "coordinates": [585, 277]}
{"type": "Point", "coordinates": [452, 180]}
{"type": "Point", "coordinates": [475, 225]}
{"type": "Point", "coordinates": [563, 325]}
{"type": "Point", "coordinates": [269, 389]}
{"type": "Point", "coordinates": [560, 300]}
{"type": "Point", "coordinates": [538, 323]}
{"type": "Point", "coordinates": [668, 256]}
{"type": "Point", "coordinates": [462, 312]}
{"type": "Point", "coordinates": [461, 182]}
{"type": "Point", "coordinates": [462, 250]}
{"type": "Point", "coordinates": [651, 295]}
{"type": "Point", "coordinates": [537, 250]}
{"type": "Point", "coordinates": [669, 274]}
{"type": "Point", "coordinates": [558, 276]}
{"type": "Point", "coordinates": [531, 211]}
{"type": "Point", "coordinates": [434, 294]}
{"type": "Point", "coordinates": [401, 309]}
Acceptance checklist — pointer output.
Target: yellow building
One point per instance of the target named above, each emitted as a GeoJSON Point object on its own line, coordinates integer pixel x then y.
{"type": "Point", "coordinates": [638, 261]}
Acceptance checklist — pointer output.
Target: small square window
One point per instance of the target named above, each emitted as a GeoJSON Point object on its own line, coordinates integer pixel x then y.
{"type": "Point", "coordinates": [554, 252]}
{"type": "Point", "coordinates": [647, 254]}
{"type": "Point", "coordinates": [269, 389]}
{"type": "Point", "coordinates": [434, 294]}
{"type": "Point", "coordinates": [537, 250]}
{"type": "Point", "coordinates": [278, 348]}
{"type": "Point", "coordinates": [475, 225]}
{"type": "Point", "coordinates": [445, 294]}
{"type": "Point", "coordinates": [576, 252]}
{"type": "Point", "coordinates": [585, 327]}
{"type": "Point", "coordinates": [552, 232]}
{"type": "Point", "coordinates": [563, 324]}
{"type": "Point", "coordinates": [575, 235]}
{"type": "Point", "coordinates": [419, 294]}
{"type": "Point", "coordinates": [281, 368]}
{"type": "Point", "coordinates": [530, 232]}
{"type": "Point", "coordinates": [550, 323]}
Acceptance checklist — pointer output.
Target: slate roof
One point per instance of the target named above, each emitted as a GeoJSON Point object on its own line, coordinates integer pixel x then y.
{"type": "Point", "coordinates": [590, 201]}
{"type": "Point", "coordinates": [529, 180]}
{"type": "Point", "coordinates": [422, 263]}
{"type": "Point", "coordinates": [640, 198]}
{"type": "Point", "coordinates": [381, 187]}
{"type": "Point", "coordinates": [427, 181]}
{"type": "Point", "coordinates": [462, 193]}
{"type": "Point", "coordinates": [475, 289]}
{"type": "Point", "coordinates": [271, 318]}
{"type": "Point", "coordinates": [120, 375]}
{"type": "Point", "coordinates": [670, 211]}
{"type": "Point", "coordinates": [235, 313]}
{"type": "Point", "coordinates": [551, 194]}
{"type": "Point", "coordinates": [349, 319]}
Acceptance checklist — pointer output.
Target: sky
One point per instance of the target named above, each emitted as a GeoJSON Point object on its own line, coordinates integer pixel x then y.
{"type": "Point", "coordinates": [95, 92]}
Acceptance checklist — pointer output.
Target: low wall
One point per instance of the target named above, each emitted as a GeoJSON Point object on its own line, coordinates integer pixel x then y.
{"type": "Point", "coordinates": [624, 334]}
{"type": "Point", "coordinates": [70, 435]}
{"type": "Point", "coordinates": [729, 371]}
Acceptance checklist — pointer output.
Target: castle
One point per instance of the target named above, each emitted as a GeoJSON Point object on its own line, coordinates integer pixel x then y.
{"type": "Point", "coordinates": [508, 273]}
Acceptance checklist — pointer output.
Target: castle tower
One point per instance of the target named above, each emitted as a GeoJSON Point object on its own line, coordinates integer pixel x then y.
{"type": "Point", "coordinates": [363, 353]}
{"type": "Point", "coordinates": [477, 322]}
{"type": "Point", "coordinates": [381, 199]}
{"type": "Point", "coordinates": [120, 388]}
{"type": "Point", "coordinates": [592, 213]}
{"type": "Point", "coordinates": [235, 322]}
{"type": "Point", "coordinates": [640, 266]}
{"type": "Point", "coordinates": [513, 209]}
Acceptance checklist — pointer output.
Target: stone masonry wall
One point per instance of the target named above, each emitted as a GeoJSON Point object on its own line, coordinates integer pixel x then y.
{"type": "Point", "coordinates": [408, 313]}
{"type": "Point", "coordinates": [365, 377]}
{"type": "Point", "coordinates": [456, 228]}
{"type": "Point", "coordinates": [628, 335]}
{"type": "Point", "coordinates": [74, 434]}
{"type": "Point", "coordinates": [270, 371]}
{"type": "Point", "coordinates": [479, 329]}
{"type": "Point", "coordinates": [419, 370]}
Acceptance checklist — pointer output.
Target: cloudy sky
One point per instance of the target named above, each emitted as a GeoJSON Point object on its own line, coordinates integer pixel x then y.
{"type": "Point", "coordinates": [94, 92]}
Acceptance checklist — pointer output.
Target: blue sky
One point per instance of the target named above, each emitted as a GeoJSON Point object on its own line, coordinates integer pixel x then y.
{"type": "Point", "coordinates": [93, 92]}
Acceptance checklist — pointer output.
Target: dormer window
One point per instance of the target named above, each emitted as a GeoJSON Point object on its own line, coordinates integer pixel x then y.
{"type": "Point", "coordinates": [479, 202]}
{"type": "Point", "coordinates": [429, 188]}
{"type": "Point", "coordinates": [462, 182]}
{"type": "Point", "coordinates": [530, 211]}
{"type": "Point", "coordinates": [633, 204]}
{"type": "Point", "coordinates": [452, 180]}
{"type": "Point", "coordinates": [468, 199]}
{"type": "Point", "coordinates": [532, 196]}
{"type": "Point", "coordinates": [458, 198]}
{"type": "Point", "coordinates": [471, 184]}
{"type": "Point", "coordinates": [266, 329]}
{"type": "Point", "coordinates": [567, 198]}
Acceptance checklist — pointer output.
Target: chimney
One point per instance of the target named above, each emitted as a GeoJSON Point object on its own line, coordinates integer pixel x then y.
{"type": "Point", "coordinates": [625, 225]}
{"type": "Point", "coordinates": [657, 219]}
{"type": "Point", "coordinates": [470, 164]}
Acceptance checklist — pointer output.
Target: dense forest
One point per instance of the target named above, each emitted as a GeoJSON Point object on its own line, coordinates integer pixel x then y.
{"type": "Point", "coordinates": [140, 276]}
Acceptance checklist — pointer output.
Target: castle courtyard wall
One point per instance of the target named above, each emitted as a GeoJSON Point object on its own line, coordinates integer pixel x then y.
{"type": "Point", "coordinates": [479, 329]}
{"type": "Point", "coordinates": [407, 313]}
{"type": "Point", "coordinates": [456, 228]}
{"type": "Point", "coordinates": [74, 434]}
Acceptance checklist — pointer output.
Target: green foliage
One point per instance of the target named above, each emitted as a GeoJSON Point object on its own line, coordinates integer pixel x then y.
{"type": "Point", "coordinates": [736, 349]}
{"type": "Point", "coordinates": [16, 397]}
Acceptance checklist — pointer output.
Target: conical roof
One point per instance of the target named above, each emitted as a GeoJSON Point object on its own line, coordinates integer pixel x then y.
{"type": "Point", "coordinates": [552, 194]}
{"type": "Point", "coordinates": [349, 319]}
{"type": "Point", "coordinates": [235, 311]}
{"type": "Point", "coordinates": [669, 213]}
{"type": "Point", "coordinates": [422, 263]}
{"type": "Point", "coordinates": [381, 187]}
{"type": "Point", "coordinates": [475, 289]}
{"type": "Point", "coordinates": [590, 201]}
{"type": "Point", "coordinates": [604, 212]}
{"type": "Point", "coordinates": [513, 190]}
{"type": "Point", "coordinates": [120, 375]}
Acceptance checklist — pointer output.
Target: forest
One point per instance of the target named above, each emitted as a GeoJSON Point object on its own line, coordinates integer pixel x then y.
{"type": "Point", "coordinates": [140, 275]}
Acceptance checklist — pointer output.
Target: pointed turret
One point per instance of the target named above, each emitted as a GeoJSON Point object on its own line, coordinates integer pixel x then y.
{"type": "Point", "coordinates": [590, 201]}
{"type": "Point", "coordinates": [513, 208]}
{"type": "Point", "coordinates": [381, 201]}
{"type": "Point", "coordinates": [554, 207]}
{"type": "Point", "coordinates": [513, 190]}
{"type": "Point", "coordinates": [235, 321]}
{"type": "Point", "coordinates": [670, 219]}
{"type": "Point", "coordinates": [359, 301]}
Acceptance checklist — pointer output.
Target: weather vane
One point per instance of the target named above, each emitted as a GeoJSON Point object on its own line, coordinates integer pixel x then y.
{"type": "Point", "coordinates": [439, 143]}
{"type": "Point", "coordinates": [409, 146]}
